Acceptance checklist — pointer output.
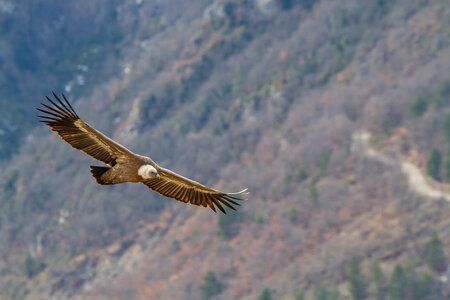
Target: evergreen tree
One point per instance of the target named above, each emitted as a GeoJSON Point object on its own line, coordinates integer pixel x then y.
{"type": "Point", "coordinates": [446, 127]}
{"type": "Point", "coordinates": [434, 164]}
{"type": "Point", "coordinates": [29, 265]}
{"type": "Point", "coordinates": [300, 295]}
{"type": "Point", "coordinates": [378, 280]}
{"type": "Point", "coordinates": [423, 287]}
{"type": "Point", "coordinates": [357, 280]}
{"type": "Point", "coordinates": [447, 165]}
{"type": "Point", "coordinates": [397, 284]}
{"type": "Point", "coordinates": [333, 293]}
{"type": "Point", "coordinates": [228, 225]}
{"type": "Point", "coordinates": [435, 255]}
{"type": "Point", "coordinates": [418, 105]}
{"type": "Point", "coordinates": [211, 286]}
{"type": "Point", "coordinates": [322, 292]}
{"type": "Point", "coordinates": [265, 295]}
{"type": "Point", "coordinates": [323, 163]}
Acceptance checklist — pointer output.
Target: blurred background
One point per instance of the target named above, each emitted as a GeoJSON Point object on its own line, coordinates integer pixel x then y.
{"type": "Point", "coordinates": [335, 114]}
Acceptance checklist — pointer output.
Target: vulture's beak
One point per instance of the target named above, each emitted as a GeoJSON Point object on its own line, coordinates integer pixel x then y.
{"type": "Point", "coordinates": [157, 176]}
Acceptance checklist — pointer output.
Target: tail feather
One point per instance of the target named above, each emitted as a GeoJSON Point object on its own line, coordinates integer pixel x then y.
{"type": "Point", "coordinates": [97, 172]}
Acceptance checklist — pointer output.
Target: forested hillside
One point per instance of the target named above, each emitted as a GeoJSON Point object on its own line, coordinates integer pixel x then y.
{"type": "Point", "coordinates": [264, 94]}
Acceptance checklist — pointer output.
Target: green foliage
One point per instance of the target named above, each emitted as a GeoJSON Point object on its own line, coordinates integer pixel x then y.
{"type": "Point", "coordinates": [435, 255]}
{"type": "Point", "coordinates": [378, 279]}
{"type": "Point", "coordinates": [292, 214]}
{"type": "Point", "coordinates": [358, 283]}
{"type": "Point", "coordinates": [423, 287]}
{"type": "Point", "coordinates": [211, 286]}
{"type": "Point", "coordinates": [434, 164]}
{"type": "Point", "coordinates": [265, 295]}
{"type": "Point", "coordinates": [313, 193]}
{"type": "Point", "coordinates": [446, 127]}
{"type": "Point", "coordinates": [441, 97]}
{"type": "Point", "coordinates": [228, 225]}
{"type": "Point", "coordinates": [175, 246]}
{"type": "Point", "coordinates": [447, 165]}
{"type": "Point", "coordinates": [300, 174]}
{"type": "Point", "coordinates": [237, 81]}
{"type": "Point", "coordinates": [30, 266]}
{"type": "Point", "coordinates": [418, 105]}
{"type": "Point", "coordinates": [300, 295]}
{"type": "Point", "coordinates": [322, 292]}
{"type": "Point", "coordinates": [259, 216]}
{"type": "Point", "coordinates": [397, 284]}
{"type": "Point", "coordinates": [323, 163]}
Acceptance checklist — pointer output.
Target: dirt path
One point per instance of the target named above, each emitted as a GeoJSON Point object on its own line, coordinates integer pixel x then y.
{"type": "Point", "coordinates": [416, 179]}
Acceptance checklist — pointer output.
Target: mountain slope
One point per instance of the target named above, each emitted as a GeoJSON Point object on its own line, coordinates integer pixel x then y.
{"type": "Point", "coordinates": [237, 94]}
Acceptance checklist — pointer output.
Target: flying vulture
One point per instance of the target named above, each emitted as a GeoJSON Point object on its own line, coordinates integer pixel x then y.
{"type": "Point", "coordinates": [126, 166]}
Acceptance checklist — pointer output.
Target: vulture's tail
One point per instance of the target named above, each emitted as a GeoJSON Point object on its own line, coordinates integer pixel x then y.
{"type": "Point", "coordinates": [97, 172]}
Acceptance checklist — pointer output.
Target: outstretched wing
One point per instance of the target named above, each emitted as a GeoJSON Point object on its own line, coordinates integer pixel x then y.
{"type": "Point", "coordinates": [63, 119]}
{"type": "Point", "coordinates": [180, 188]}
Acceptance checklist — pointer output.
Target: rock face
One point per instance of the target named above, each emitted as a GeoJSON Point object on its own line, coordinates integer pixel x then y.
{"type": "Point", "coordinates": [267, 7]}
{"type": "Point", "coordinates": [214, 13]}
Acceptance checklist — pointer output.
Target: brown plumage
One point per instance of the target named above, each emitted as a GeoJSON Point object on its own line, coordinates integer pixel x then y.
{"type": "Point", "coordinates": [126, 166]}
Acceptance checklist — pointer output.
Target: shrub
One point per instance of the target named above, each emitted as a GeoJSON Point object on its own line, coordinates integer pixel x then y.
{"type": "Point", "coordinates": [434, 254]}
{"type": "Point", "coordinates": [446, 127]}
{"type": "Point", "coordinates": [300, 295]}
{"type": "Point", "coordinates": [358, 283]}
{"type": "Point", "coordinates": [423, 287]}
{"type": "Point", "coordinates": [378, 279]}
{"type": "Point", "coordinates": [397, 284]}
{"type": "Point", "coordinates": [447, 165]}
{"type": "Point", "coordinates": [211, 286]}
{"type": "Point", "coordinates": [418, 105]}
{"type": "Point", "coordinates": [434, 164]}
{"type": "Point", "coordinates": [265, 295]}
{"type": "Point", "coordinates": [300, 174]}
{"type": "Point", "coordinates": [323, 163]}
{"type": "Point", "coordinates": [292, 214]}
{"type": "Point", "coordinates": [30, 266]}
{"type": "Point", "coordinates": [228, 225]}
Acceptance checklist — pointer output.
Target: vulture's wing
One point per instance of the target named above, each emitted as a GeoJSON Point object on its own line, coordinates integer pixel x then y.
{"type": "Point", "coordinates": [172, 185]}
{"type": "Point", "coordinates": [63, 119]}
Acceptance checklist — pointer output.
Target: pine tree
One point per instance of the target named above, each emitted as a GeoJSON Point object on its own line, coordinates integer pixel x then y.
{"type": "Point", "coordinates": [211, 286]}
{"type": "Point", "coordinates": [378, 279]}
{"type": "Point", "coordinates": [423, 287]}
{"type": "Point", "coordinates": [397, 284]}
{"type": "Point", "coordinates": [265, 295]}
{"type": "Point", "coordinates": [320, 292]}
{"type": "Point", "coordinates": [435, 255]}
{"type": "Point", "coordinates": [357, 280]}
{"type": "Point", "coordinates": [418, 105]}
{"type": "Point", "coordinates": [300, 295]}
{"type": "Point", "coordinates": [446, 127]}
{"type": "Point", "coordinates": [29, 265]}
{"type": "Point", "coordinates": [447, 165]}
{"type": "Point", "coordinates": [434, 164]}
{"type": "Point", "coordinates": [228, 225]}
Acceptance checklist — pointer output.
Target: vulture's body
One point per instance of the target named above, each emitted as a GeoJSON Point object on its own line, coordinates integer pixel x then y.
{"type": "Point", "coordinates": [126, 166]}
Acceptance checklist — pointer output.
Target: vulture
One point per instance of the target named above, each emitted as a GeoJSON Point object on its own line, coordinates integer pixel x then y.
{"type": "Point", "coordinates": [126, 166]}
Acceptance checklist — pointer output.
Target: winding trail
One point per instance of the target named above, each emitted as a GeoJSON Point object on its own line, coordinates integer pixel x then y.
{"type": "Point", "coordinates": [416, 179]}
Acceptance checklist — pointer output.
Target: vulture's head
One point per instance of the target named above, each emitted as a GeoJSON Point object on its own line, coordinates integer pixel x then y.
{"type": "Point", "coordinates": [147, 172]}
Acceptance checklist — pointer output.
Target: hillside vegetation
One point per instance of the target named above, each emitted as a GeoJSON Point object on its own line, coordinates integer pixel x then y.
{"type": "Point", "coordinates": [232, 93]}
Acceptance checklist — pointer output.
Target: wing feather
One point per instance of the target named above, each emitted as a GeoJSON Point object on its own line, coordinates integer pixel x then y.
{"type": "Point", "coordinates": [62, 118]}
{"type": "Point", "coordinates": [173, 185]}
